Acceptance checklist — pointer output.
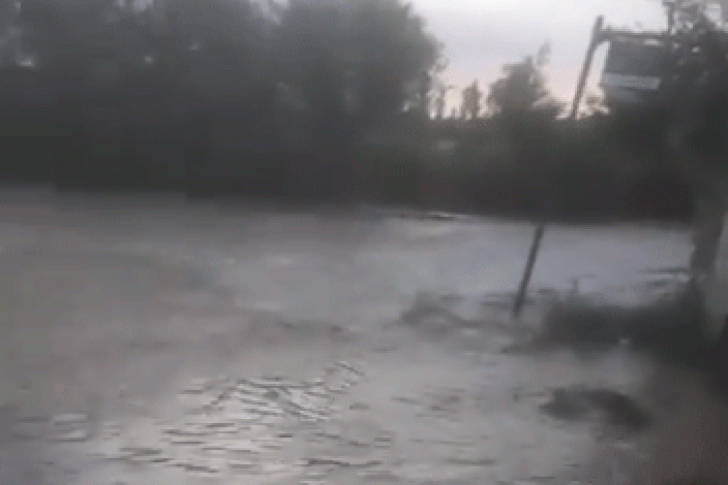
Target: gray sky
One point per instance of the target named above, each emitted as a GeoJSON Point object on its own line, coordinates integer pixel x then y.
{"type": "Point", "coordinates": [481, 35]}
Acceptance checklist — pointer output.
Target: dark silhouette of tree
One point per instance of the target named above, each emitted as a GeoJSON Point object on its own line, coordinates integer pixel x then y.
{"type": "Point", "coordinates": [68, 36]}
{"type": "Point", "coordinates": [8, 37]}
{"type": "Point", "coordinates": [688, 12]}
{"type": "Point", "coordinates": [523, 88]}
{"type": "Point", "coordinates": [472, 97]}
{"type": "Point", "coordinates": [217, 90]}
{"type": "Point", "coordinates": [224, 41]}
{"type": "Point", "coordinates": [351, 69]}
{"type": "Point", "coordinates": [393, 58]}
{"type": "Point", "coordinates": [422, 100]}
{"type": "Point", "coordinates": [440, 99]}
{"type": "Point", "coordinates": [438, 85]}
{"type": "Point", "coordinates": [237, 44]}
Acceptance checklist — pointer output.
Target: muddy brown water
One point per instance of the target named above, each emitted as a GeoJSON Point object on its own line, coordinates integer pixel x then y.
{"type": "Point", "coordinates": [148, 341]}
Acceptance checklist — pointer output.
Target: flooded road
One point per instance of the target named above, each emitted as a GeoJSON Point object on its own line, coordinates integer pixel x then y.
{"type": "Point", "coordinates": [148, 341]}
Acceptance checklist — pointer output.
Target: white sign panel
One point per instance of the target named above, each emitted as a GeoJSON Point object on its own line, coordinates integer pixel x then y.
{"type": "Point", "coordinates": [645, 83]}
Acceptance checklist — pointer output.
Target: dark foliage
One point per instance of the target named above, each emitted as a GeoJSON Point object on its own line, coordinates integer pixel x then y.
{"type": "Point", "coordinates": [305, 102]}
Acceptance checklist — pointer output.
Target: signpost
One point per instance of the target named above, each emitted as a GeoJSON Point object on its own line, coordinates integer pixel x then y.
{"type": "Point", "coordinates": [635, 70]}
{"type": "Point", "coordinates": [596, 39]}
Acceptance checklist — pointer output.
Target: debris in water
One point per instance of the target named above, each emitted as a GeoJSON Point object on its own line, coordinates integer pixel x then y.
{"type": "Point", "coordinates": [29, 428]}
{"type": "Point", "coordinates": [576, 403]}
{"type": "Point", "coordinates": [69, 427]}
{"type": "Point", "coordinates": [69, 418]}
{"type": "Point", "coordinates": [484, 461]}
{"type": "Point", "coordinates": [198, 468]}
{"type": "Point", "coordinates": [74, 435]}
{"type": "Point", "coordinates": [341, 462]}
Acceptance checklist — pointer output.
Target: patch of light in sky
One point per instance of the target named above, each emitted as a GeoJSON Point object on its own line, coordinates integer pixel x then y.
{"type": "Point", "coordinates": [480, 36]}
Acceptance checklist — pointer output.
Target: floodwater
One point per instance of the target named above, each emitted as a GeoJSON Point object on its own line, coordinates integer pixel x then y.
{"type": "Point", "coordinates": [149, 341]}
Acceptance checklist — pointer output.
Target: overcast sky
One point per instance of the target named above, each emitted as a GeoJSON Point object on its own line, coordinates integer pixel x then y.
{"type": "Point", "coordinates": [481, 35]}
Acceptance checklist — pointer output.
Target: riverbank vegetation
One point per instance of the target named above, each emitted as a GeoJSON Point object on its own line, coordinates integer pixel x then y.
{"type": "Point", "coordinates": [307, 101]}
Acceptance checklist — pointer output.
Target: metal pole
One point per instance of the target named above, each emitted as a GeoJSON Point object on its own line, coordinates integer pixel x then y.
{"type": "Point", "coordinates": [535, 245]}
{"type": "Point", "coordinates": [596, 39]}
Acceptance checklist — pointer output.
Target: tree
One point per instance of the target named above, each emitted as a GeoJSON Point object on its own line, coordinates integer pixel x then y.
{"type": "Point", "coordinates": [422, 98]}
{"type": "Point", "coordinates": [379, 46]}
{"type": "Point", "coordinates": [472, 96]}
{"type": "Point", "coordinates": [438, 86]}
{"type": "Point", "coordinates": [440, 97]}
{"type": "Point", "coordinates": [523, 88]}
{"type": "Point", "coordinates": [699, 104]}
{"type": "Point", "coordinates": [65, 36]}
{"type": "Point", "coordinates": [395, 59]}
{"type": "Point", "coordinates": [339, 67]}
{"type": "Point", "coordinates": [8, 13]}
{"type": "Point", "coordinates": [225, 40]}
{"type": "Point", "coordinates": [687, 12]}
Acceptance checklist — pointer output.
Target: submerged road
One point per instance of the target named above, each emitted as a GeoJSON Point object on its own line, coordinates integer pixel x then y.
{"type": "Point", "coordinates": [124, 320]}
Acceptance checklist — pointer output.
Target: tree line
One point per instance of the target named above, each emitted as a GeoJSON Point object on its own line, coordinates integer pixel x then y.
{"type": "Point", "coordinates": [119, 87]}
{"type": "Point", "coordinates": [302, 100]}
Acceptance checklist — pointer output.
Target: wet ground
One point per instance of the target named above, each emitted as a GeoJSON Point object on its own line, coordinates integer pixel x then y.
{"type": "Point", "coordinates": [148, 341]}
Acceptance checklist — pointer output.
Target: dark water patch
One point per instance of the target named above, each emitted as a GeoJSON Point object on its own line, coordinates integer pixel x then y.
{"type": "Point", "coordinates": [574, 404]}
{"type": "Point", "coordinates": [671, 329]}
{"type": "Point", "coordinates": [667, 271]}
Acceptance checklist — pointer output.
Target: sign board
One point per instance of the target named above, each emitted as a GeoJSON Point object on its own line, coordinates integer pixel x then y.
{"type": "Point", "coordinates": [634, 72]}
{"type": "Point", "coordinates": [642, 83]}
